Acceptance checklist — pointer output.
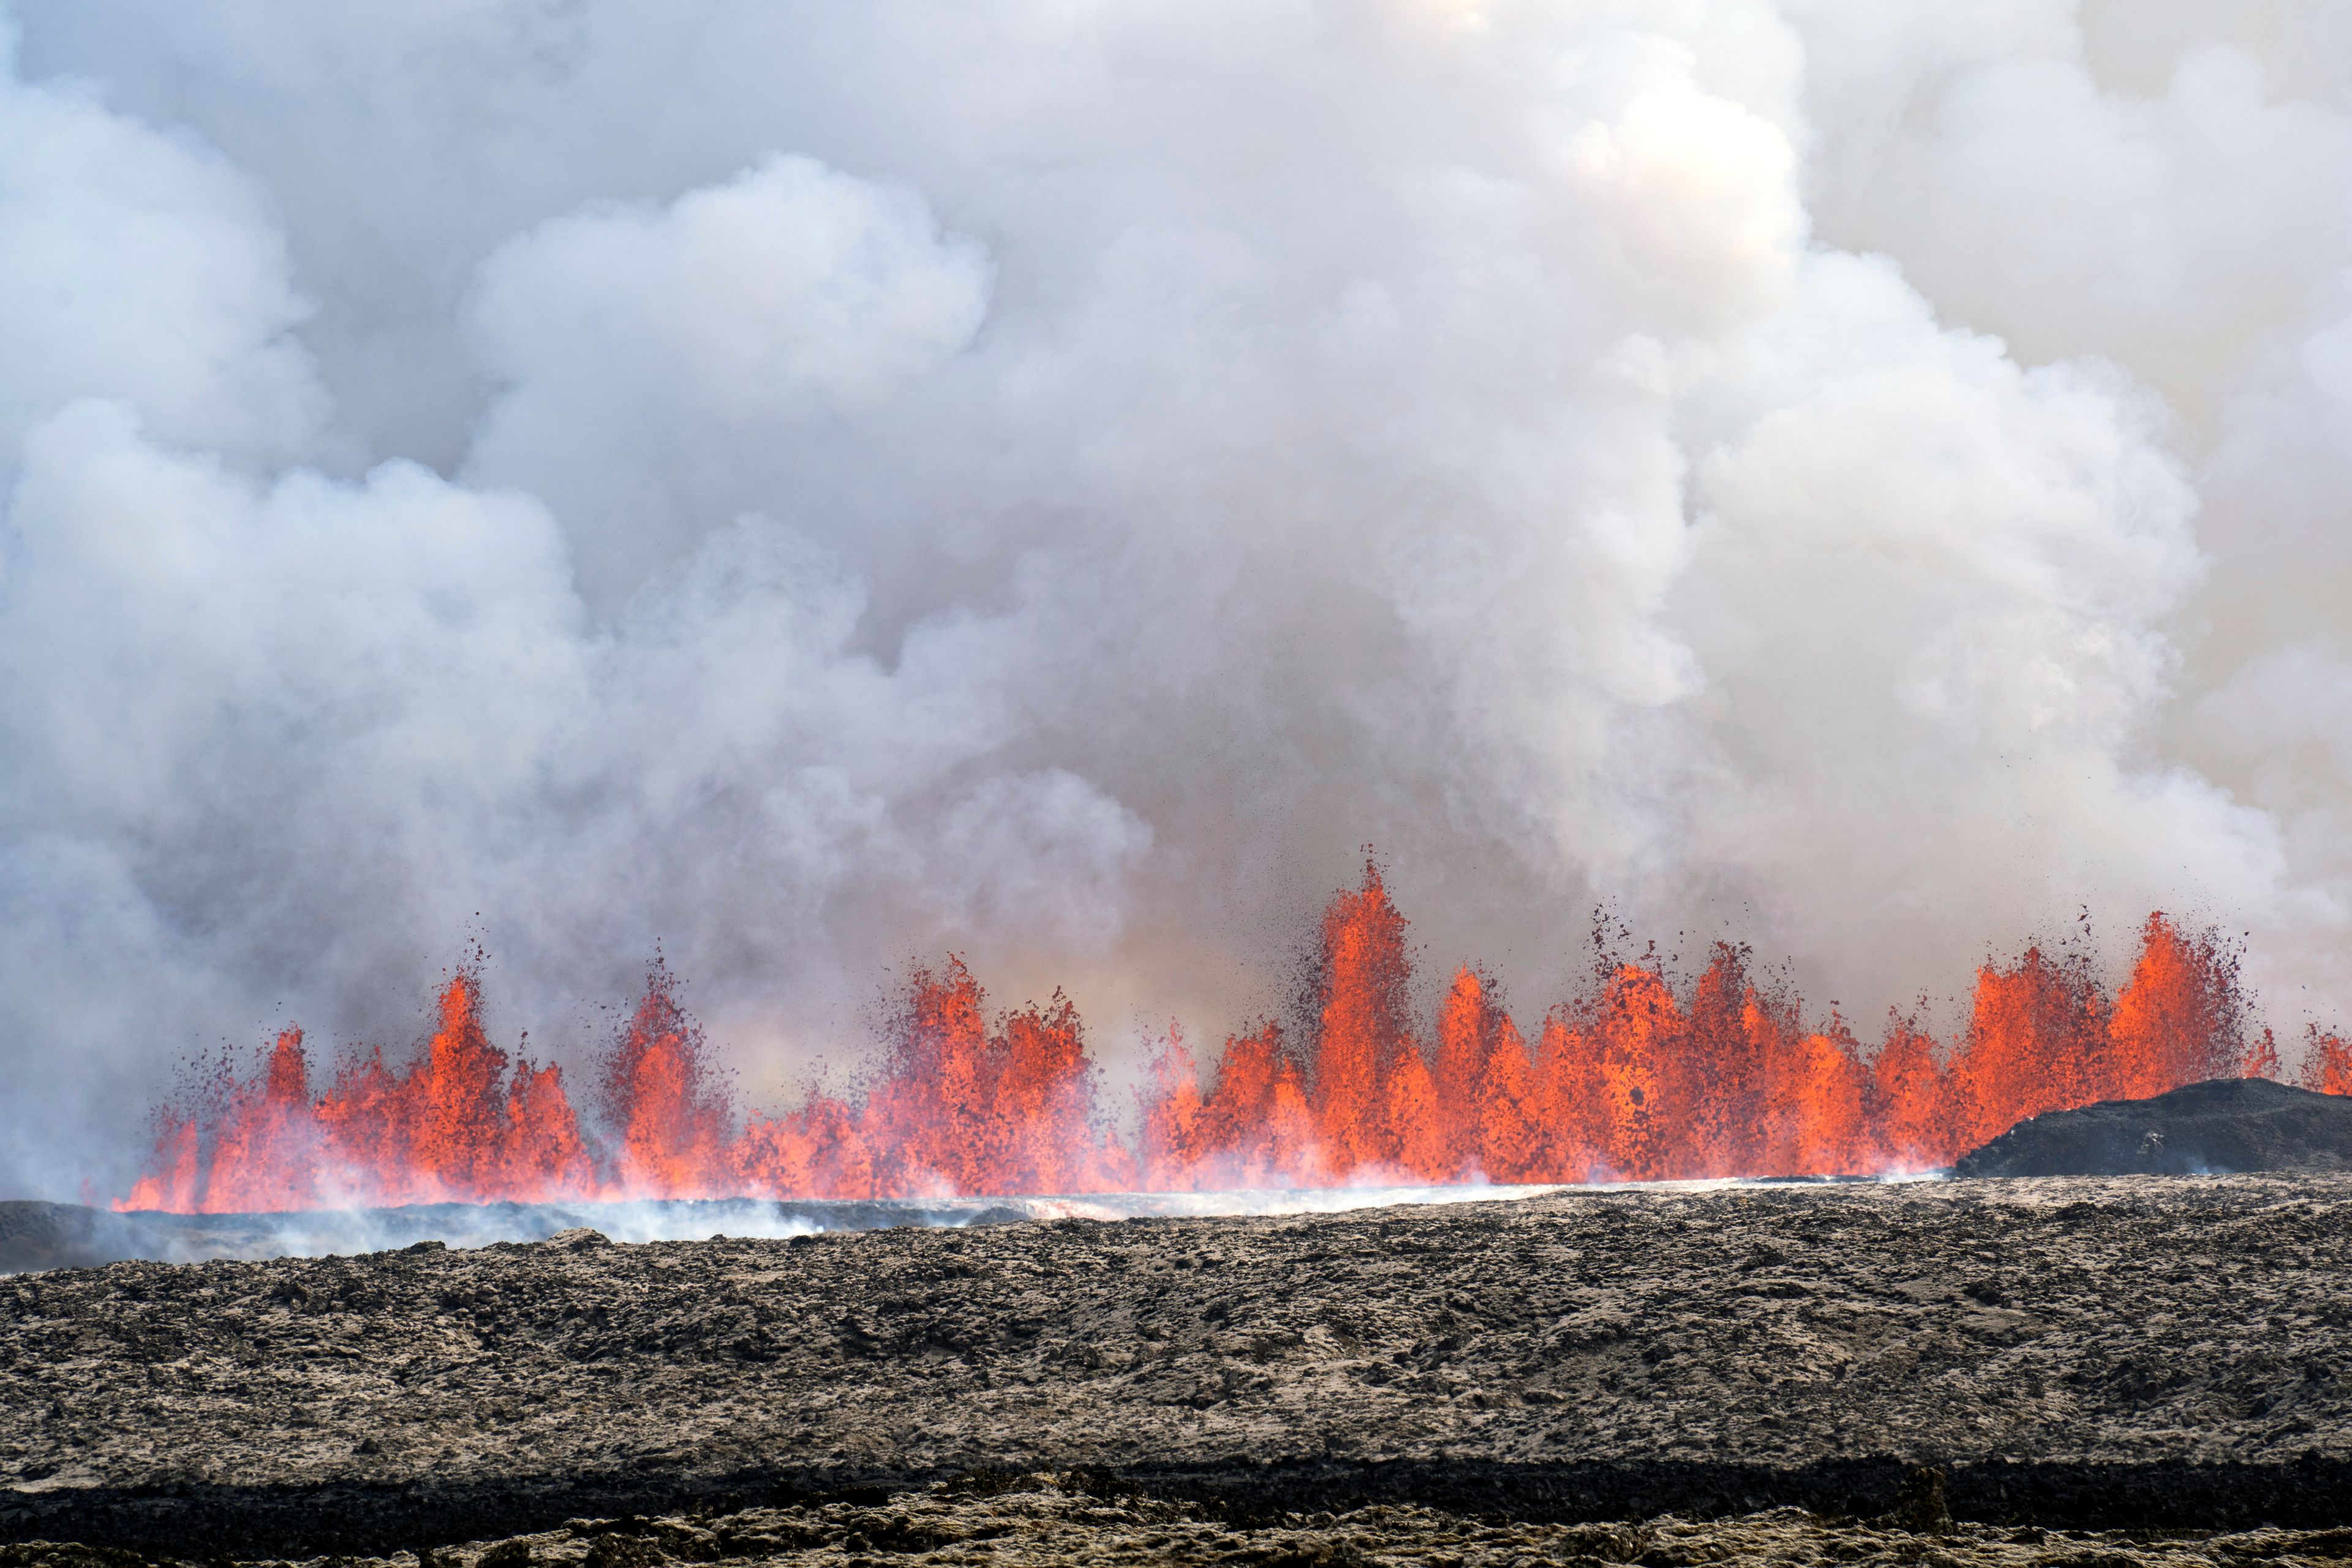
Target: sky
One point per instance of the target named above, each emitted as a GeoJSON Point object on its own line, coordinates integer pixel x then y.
{"type": "Point", "coordinates": [812, 489]}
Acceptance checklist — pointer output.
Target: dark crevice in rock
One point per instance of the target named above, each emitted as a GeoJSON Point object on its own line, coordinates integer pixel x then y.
{"type": "Point", "coordinates": [359, 1518]}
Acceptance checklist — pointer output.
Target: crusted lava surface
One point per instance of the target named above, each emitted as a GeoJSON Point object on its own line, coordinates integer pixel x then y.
{"type": "Point", "coordinates": [2092, 1354]}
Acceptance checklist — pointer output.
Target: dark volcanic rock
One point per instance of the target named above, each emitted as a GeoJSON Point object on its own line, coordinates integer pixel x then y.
{"type": "Point", "coordinates": [2128, 1352]}
{"type": "Point", "coordinates": [2207, 1128]}
{"type": "Point", "coordinates": [54, 1235]}
{"type": "Point", "coordinates": [1065, 1520]}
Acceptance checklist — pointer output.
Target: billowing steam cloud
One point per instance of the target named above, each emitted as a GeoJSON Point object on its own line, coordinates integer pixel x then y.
{"type": "Point", "coordinates": [811, 486]}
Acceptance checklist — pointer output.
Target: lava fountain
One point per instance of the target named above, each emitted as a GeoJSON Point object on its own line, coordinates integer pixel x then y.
{"type": "Point", "coordinates": [1635, 1078]}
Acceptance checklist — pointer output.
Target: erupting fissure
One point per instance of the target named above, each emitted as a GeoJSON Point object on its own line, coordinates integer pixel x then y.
{"type": "Point", "coordinates": [1634, 1080]}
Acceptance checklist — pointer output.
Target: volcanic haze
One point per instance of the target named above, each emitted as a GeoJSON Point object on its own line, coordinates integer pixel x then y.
{"type": "Point", "coordinates": [815, 488]}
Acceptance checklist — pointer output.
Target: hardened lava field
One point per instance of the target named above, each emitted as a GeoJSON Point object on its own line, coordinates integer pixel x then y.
{"type": "Point", "coordinates": [2104, 1355]}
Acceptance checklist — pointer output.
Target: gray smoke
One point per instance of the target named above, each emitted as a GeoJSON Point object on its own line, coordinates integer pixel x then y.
{"type": "Point", "coordinates": [821, 486]}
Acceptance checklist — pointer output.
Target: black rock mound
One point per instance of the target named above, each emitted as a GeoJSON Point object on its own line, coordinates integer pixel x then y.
{"type": "Point", "coordinates": [2223, 1127]}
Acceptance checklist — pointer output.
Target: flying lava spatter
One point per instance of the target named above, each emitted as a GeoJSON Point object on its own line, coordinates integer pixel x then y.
{"type": "Point", "coordinates": [1634, 1080]}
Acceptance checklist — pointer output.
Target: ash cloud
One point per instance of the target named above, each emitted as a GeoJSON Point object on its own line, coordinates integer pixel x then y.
{"type": "Point", "coordinates": [816, 486]}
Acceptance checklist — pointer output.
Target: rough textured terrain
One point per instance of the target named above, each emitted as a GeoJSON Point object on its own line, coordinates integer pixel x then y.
{"type": "Point", "coordinates": [2086, 1352]}
{"type": "Point", "coordinates": [2231, 1125]}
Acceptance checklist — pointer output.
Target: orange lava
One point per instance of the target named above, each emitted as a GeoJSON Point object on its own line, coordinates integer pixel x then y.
{"type": "Point", "coordinates": [1636, 1080]}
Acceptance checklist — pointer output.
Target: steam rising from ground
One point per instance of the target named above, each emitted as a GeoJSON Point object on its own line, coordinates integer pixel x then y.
{"type": "Point", "coordinates": [35, 1236]}
{"type": "Point", "coordinates": [812, 487]}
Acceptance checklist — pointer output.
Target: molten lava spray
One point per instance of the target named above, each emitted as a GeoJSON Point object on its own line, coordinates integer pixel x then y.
{"type": "Point", "coordinates": [1634, 1080]}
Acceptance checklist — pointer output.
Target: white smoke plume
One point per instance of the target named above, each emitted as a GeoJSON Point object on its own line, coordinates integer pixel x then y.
{"type": "Point", "coordinates": [814, 487]}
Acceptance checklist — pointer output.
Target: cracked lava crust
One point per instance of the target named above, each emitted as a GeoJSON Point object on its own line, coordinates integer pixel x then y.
{"type": "Point", "coordinates": [2110, 1353]}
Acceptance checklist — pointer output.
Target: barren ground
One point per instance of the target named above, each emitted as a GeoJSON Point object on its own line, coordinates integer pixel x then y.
{"type": "Point", "coordinates": [2112, 1354]}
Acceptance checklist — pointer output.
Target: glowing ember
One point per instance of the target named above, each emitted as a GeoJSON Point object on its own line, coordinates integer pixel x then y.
{"type": "Point", "coordinates": [1633, 1081]}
